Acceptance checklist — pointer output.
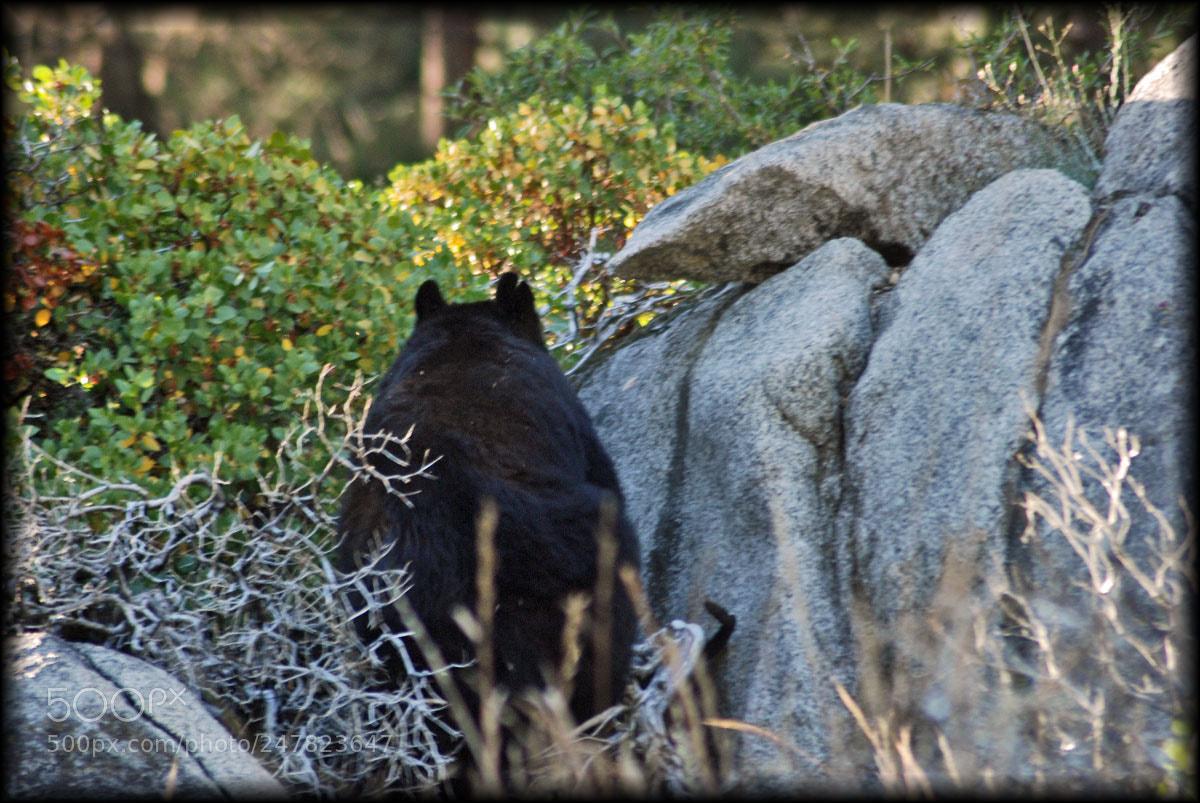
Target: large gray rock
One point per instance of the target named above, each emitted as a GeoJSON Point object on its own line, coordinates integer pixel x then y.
{"type": "Point", "coordinates": [638, 396]}
{"type": "Point", "coordinates": [725, 430]}
{"type": "Point", "coordinates": [936, 419]}
{"type": "Point", "coordinates": [1123, 355]}
{"type": "Point", "coordinates": [87, 721]}
{"type": "Point", "coordinates": [838, 465]}
{"type": "Point", "coordinates": [1122, 359]}
{"type": "Point", "coordinates": [750, 412]}
{"type": "Point", "coordinates": [762, 480]}
{"type": "Point", "coordinates": [885, 174]}
{"type": "Point", "coordinates": [1150, 148]}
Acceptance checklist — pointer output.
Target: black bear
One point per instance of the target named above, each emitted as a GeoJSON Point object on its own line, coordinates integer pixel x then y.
{"type": "Point", "coordinates": [477, 387]}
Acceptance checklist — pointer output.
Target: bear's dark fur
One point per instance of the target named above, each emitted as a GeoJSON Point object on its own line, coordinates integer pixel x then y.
{"type": "Point", "coordinates": [478, 388]}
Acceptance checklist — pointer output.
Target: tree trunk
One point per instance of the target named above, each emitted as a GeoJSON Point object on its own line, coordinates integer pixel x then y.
{"type": "Point", "coordinates": [121, 64]}
{"type": "Point", "coordinates": [448, 43]}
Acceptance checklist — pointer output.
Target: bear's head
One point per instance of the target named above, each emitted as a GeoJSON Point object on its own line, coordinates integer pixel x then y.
{"type": "Point", "coordinates": [513, 306]}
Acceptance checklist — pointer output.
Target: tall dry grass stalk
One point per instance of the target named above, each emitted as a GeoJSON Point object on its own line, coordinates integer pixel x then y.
{"type": "Point", "coordinates": [1070, 672]}
{"type": "Point", "coordinates": [246, 607]}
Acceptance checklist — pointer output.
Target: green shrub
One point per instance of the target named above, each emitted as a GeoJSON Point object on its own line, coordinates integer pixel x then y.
{"type": "Point", "coordinates": [169, 297]}
{"type": "Point", "coordinates": [543, 191]}
{"type": "Point", "coordinates": [680, 68]}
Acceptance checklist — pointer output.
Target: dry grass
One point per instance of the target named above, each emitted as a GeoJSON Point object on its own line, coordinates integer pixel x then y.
{"type": "Point", "coordinates": [247, 608]}
{"type": "Point", "coordinates": [1024, 68]}
{"type": "Point", "coordinates": [1071, 675]}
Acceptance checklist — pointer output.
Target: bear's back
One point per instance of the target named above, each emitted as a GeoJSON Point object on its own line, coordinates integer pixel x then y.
{"type": "Point", "coordinates": [471, 387]}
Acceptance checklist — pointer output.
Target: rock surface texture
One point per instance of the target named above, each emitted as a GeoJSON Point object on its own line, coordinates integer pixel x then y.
{"type": "Point", "coordinates": [937, 416]}
{"type": "Point", "coordinates": [1150, 148]}
{"type": "Point", "coordinates": [1122, 353]}
{"type": "Point", "coordinates": [885, 174]}
{"type": "Point", "coordinates": [823, 449]}
{"type": "Point", "coordinates": [749, 469]}
{"type": "Point", "coordinates": [87, 721]}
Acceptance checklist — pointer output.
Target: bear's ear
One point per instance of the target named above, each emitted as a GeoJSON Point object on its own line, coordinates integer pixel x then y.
{"type": "Point", "coordinates": [429, 300]}
{"type": "Point", "coordinates": [515, 302]}
{"type": "Point", "coordinates": [505, 285]}
{"type": "Point", "coordinates": [526, 318]}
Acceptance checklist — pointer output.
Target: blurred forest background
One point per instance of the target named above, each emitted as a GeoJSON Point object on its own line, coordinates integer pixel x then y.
{"type": "Point", "coordinates": [365, 83]}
